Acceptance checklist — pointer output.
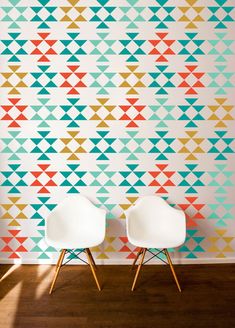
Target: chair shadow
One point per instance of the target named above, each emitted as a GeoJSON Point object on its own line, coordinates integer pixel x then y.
{"type": "Point", "coordinates": [33, 289]}
{"type": "Point", "coordinates": [9, 282]}
{"type": "Point", "coordinates": [4, 268]}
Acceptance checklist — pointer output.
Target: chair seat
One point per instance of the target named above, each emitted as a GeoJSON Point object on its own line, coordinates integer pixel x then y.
{"type": "Point", "coordinates": [66, 242]}
{"type": "Point", "coordinates": [155, 242]}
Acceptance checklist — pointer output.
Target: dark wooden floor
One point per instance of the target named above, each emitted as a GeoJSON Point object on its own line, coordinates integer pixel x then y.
{"type": "Point", "coordinates": [207, 298]}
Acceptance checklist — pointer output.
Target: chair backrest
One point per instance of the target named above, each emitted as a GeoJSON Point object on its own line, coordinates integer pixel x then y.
{"type": "Point", "coordinates": [152, 213]}
{"type": "Point", "coordinates": [76, 215]}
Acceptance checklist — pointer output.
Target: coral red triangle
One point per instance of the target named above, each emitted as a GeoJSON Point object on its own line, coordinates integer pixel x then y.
{"type": "Point", "coordinates": [14, 124]}
{"type": "Point", "coordinates": [132, 101]}
{"type": "Point", "coordinates": [21, 248]}
{"type": "Point", "coordinates": [162, 190]}
{"type": "Point", "coordinates": [14, 256]}
{"type": "Point", "coordinates": [125, 249]}
{"type": "Point", "coordinates": [43, 191]}
{"type": "Point", "coordinates": [132, 125]}
{"type": "Point", "coordinates": [7, 249]}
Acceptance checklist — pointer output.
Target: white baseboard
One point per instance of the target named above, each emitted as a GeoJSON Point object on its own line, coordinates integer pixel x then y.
{"type": "Point", "coordinates": [124, 261]}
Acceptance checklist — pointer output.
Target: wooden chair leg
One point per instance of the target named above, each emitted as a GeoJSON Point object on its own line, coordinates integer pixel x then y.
{"type": "Point", "coordinates": [92, 268]}
{"type": "Point", "coordinates": [138, 269]}
{"type": "Point", "coordinates": [172, 269]}
{"type": "Point", "coordinates": [57, 270]}
{"type": "Point", "coordinates": [136, 259]}
{"type": "Point", "coordinates": [92, 259]}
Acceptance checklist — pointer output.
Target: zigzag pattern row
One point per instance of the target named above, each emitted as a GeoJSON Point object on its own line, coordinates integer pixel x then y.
{"type": "Point", "coordinates": [117, 100]}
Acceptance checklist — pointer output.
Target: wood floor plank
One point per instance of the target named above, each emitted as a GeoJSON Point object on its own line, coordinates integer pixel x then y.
{"type": "Point", "coordinates": [207, 298]}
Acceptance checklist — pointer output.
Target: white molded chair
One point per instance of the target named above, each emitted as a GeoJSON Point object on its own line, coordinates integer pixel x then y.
{"type": "Point", "coordinates": [75, 224]}
{"type": "Point", "coordinates": [153, 224]}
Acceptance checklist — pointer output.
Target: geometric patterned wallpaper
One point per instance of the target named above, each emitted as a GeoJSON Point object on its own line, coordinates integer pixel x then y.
{"type": "Point", "coordinates": [116, 100]}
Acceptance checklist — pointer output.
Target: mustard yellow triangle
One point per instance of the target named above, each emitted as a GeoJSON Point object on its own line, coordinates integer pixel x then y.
{"type": "Point", "coordinates": [191, 133]}
{"type": "Point", "coordinates": [102, 124]}
{"type": "Point", "coordinates": [213, 249]}
{"type": "Point", "coordinates": [73, 2]}
{"type": "Point", "coordinates": [198, 141]}
{"type": "Point", "coordinates": [198, 9]}
{"type": "Point", "coordinates": [65, 150]}
{"type": "Point", "coordinates": [6, 75]}
{"type": "Point", "coordinates": [228, 117]}
{"type": "Point", "coordinates": [184, 19]}
{"type": "Point", "coordinates": [228, 249]}
{"type": "Point", "coordinates": [65, 140]}
{"type": "Point", "coordinates": [228, 108]}
{"type": "Point", "coordinates": [14, 223]}
{"type": "Point", "coordinates": [191, 2]}
{"type": "Point", "coordinates": [80, 9]}
{"type": "Point", "coordinates": [191, 25]}
{"type": "Point", "coordinates": [184, 140]}
{"type": "Point", "coordinates": [73, 158]}
{"type": "Point", "coordinates": [213, 117]}
{"type": "Point", "coordinates": [21, 216]}
{"type": "Point", "coordinates": [198, 18]}
{"type": "Point", "coordinates": [220, 232]}
{"type": "Point", "coordinates": [102, 101]}
{"type": "Point", "coordinates": [102, 256]}
{"type": "Point", "coordinates": [139, 75]}
{"type": "Point", "coordinates": [214, 108]}
{"type": "Point", "coordinates": [96, 249]}
{"type": "Point", "coordinates": [125, 85]}
{"type": "Point", "coordinates": [184, 9]}
{"type": "Point", "coordinates": [80, 141]}
{"type": "Point", "coordinates": [184, 150]}
{"type": "Point", "coordinates": [6, 216]}
{"type": "Point", "coordinates": [132, 68]}
{"type": "Point", "coordinates": [73, 25]}
{"type": "Point", "coordinates": [132, 200]}
{"type": "Point", "coordinates": [109, 117]}
{"type": "Point", "coordinates": [21, 206]}
{"type": "Point", "coordinates": [228, 239]}
{"type": "Point", "coordinates": [109, 108]}
{"type": "Point", "coordinates": [220, 124]}
{"type": "Point", "coordinates": [73, 134]}
{"type": "Point", "coordinates": [125, 206]}
{"type": "Point", "coordinates": [95, 117]}
{"type": "Point", "coordinates": [220, 101]}
{"type": "Point", "coordinates": [14, 199]}
{"type": "Point", "coordinates": [21, 84]}
{"type": "Point", "coordinates": [132, 92]}
{"type": "Point", "coordinates": [110, 239]}
{"type": "Point", "coordinates": [139, 85]}
{"type": "Point", "coordinates": [21, 75]}
{"type": "Point", "coordinates": [80, 18]}
{"type": "Point", "coordinates": [66, 10]}
{"type": "Point", "coordinates": [191, 157]}
{"type": "Point", "coordinates": [14, 68]}
{"type": "Point", "coordinates": [109, 249]}
{"type": "Point", "coordinates": [198, 150]}
{"type": "Point", "coordinates": [7, 85]}
{"type": "Point", "coordinates": [213, 239]}
{"type": "Point", "coordinates": [80, 150]}
{"type": "Point", "coordinates": [7, 206]}
{"type": "Point", "coordinates": [95, 108]}
{"type": "Point", "coordinates": [125, 75]}
{"type": "Point", "coordinates": [14, 91]}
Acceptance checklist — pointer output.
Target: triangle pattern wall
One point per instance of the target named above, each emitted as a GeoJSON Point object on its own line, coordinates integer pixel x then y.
{"type": "Point", "coordinates": [116, 100]}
